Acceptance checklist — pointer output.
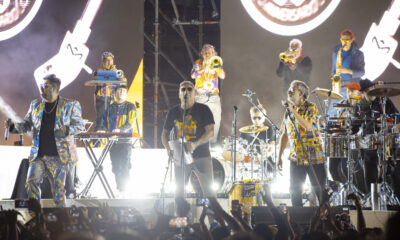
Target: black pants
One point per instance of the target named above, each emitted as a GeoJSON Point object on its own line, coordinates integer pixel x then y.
{"type": "Point", "coordinates": [298, 176]}
{"type": "Point", "coordinates": [120, 154]}
{"type": "Point", "coordinates": [337, 167]}
{"type": "Point", "coordinates": [101, 108]}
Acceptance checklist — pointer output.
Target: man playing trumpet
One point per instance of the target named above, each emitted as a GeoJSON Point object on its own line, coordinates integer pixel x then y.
{"type": "Point", "coordinates": [294, 65]}
{"type": "Point", "coordinates": [206, 72]}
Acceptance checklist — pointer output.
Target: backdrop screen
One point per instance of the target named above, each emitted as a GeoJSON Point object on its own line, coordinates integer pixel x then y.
{"type": "Point", "coordinates": [250, 54]}
{"type": "Point", "coordinates": [117, 27]}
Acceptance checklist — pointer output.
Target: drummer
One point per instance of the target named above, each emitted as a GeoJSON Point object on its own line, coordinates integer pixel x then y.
{"type": "Point", "coordinates": [370, 109]}
{"type": "Point", "coordinates": [258, 134]}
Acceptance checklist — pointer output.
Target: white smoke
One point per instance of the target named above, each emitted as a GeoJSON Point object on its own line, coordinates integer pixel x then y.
{"type": "Point", "coordinates": [8, 111]}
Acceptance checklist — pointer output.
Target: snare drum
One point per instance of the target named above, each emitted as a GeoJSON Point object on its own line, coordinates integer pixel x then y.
{"type": "Point", "coordinates": [336, 146]}
{"type": "Point", "coordinates": [248, 192]}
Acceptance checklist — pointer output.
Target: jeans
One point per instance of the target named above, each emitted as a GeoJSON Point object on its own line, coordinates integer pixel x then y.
{"type": "Point", "coordinates": [120, 154]}
{"type": "Point", "coordinates": [298, 174]}
{"type": "Point", "coordinates": [214, 103]}
{"type": "Point", "coordinates": [203, 170]}
{"type": "Point", "coordinates": [52, 168]}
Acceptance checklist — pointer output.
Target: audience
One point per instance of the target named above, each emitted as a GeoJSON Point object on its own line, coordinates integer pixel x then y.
{"type": "Point", "coordinates": [106, 223]}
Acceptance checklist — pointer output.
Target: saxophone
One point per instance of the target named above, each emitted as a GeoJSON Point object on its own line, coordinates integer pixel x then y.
{"type": "Point", "coordinates": [337, 78]}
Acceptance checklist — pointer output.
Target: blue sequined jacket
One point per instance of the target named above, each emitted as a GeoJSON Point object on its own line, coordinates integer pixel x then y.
{"type": "Point", "coordinates": [68, 114]}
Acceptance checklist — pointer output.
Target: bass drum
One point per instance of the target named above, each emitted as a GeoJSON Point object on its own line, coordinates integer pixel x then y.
{"type": "Point", "coordinates": [220, 173]}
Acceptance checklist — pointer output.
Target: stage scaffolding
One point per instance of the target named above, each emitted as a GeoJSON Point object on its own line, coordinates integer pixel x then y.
{"type": "Point", "coordinates": [175, 22]}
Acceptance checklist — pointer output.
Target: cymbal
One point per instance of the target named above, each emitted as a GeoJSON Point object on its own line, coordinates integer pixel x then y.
{"type": "Point", "coordinates": [252, 129]}
{"type": "Point", "coordinates": [327, 93]}
{"type": "Point", "coordinates": [382, 92]}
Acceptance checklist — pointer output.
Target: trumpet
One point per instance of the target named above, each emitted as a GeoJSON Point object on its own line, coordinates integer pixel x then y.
{"type": "Point", "coordinates": [216, 62]}
{"type": "Point", "coordinates": [285, 58]}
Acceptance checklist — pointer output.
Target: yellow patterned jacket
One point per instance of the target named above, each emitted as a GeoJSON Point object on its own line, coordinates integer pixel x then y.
{"type": "Point", "coordinates": [68, 114]}
{"type": "Point", "coordinates": [311, 138]}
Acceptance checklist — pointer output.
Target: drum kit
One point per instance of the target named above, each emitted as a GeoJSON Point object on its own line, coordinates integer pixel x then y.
{"type": "Point", "coordinates": [341, 141]}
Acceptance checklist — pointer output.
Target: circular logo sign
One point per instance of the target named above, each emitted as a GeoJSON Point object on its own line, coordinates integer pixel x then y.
{"type": "Point", "coordinates": [15, 15]}
{"type": "Point", "coordinates": [290, 17]}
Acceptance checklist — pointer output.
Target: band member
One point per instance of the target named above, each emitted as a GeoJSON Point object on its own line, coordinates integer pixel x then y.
{"type": "Point", "coordinates": [306, 152]}
{"type": "Point", "coordinates": [104, 94]}
{"type": "Point", "coordinates": [199, 129]}
{"type": "Point", "coordinates": [54, 121]}
{"type": "Point", "coordinates": [337, 165]}
{"type": "Point", "coordinates": [347, 60]}
{"type": "Point", "coordinates": [370, 108]}
{"type": "Point", "coordinates": [206, 74]}
{"type": "Point", "coordinates": [294, 65]}
{"type": "Point", "coordinates": [120, 118]}
{"type": "Point", "coordinates": [258, 133]}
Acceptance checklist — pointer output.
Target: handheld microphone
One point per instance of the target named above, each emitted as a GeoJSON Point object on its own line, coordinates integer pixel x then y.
{"type": "Point", "coordinates": [7, 131]}
{"type": "Point", "coordinates": [285, 104]}
{"type": "Point", "coordinates": [235, 108]}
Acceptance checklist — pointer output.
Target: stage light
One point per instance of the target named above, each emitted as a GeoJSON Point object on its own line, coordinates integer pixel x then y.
{"type": "Point", "coordinates": [290, 17]}
{"type": "Point", "coordinates": [16, 15]}
{"type": "Point", "coordinates": [215, 186]}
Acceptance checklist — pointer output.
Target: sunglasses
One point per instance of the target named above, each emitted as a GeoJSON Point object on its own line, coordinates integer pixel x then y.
{"type": "Point", "coordinates": [189, 89]}
{"type": "Point", "coordinates": [345, 41]}
{"type": "Point", "coordinates": [255, 118]}
{"type": "Point", "coordinates": [45, 85]}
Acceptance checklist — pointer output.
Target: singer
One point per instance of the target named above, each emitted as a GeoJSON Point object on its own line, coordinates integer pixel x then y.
{"type": "Point", "coordinates": [53, 121]}
{"type": "Point", "coordinates": [199, 129]}
{"type": "Point", "coordinates": [301, 119]}
{"type": "Point", "coordinates": [206, 72]}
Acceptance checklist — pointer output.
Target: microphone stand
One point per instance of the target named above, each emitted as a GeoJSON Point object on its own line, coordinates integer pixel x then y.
{"type": "Point", "coordinates": [183, 146]}
{"type": "Point", "coordinates": [297, 132]}
{"type": "Point", "coordinates": [234, 133]}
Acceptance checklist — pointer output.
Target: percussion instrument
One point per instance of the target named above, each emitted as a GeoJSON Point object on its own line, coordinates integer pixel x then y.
{"type": "Point", "coordinates": [252, 129]}
{"type": "Point", "coordinates": [327, 94]}
{"type": "Point", "coordinates": [227, 148]}
{"type": "Point", "coordinates": [384, 92]}
{"type": "Point", "coordinates": [248, 192]}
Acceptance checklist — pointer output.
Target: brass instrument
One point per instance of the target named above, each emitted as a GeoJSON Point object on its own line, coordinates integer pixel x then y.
{"type": "Point", "coordinates": [216, 62]}
{"type": "Point", "coordinates": [337, 78]}
{"type": "Point", "coordinates": [336, 83]}
{"type": "Point", "coordinates": [285, 58]}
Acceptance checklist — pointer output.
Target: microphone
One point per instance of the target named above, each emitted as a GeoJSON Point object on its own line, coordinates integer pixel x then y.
{"type": "Point", "coordinates": [7, 131]}
{"type": "Point", "coordinates": [248, 93]}
{"type": "Point", "coordinates": [235, 108]}
{"type": "Point", "coordinates": [285, 104]}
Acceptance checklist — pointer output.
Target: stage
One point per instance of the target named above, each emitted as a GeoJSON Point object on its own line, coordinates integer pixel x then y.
{"type": "Point", "coordinates": [149, 207]}
{"type": "Point", "coordinates": [147, 175]}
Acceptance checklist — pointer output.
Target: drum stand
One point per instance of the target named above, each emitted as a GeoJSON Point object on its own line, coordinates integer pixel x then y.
{"type": "Point", "coordinates": [386, 193]}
